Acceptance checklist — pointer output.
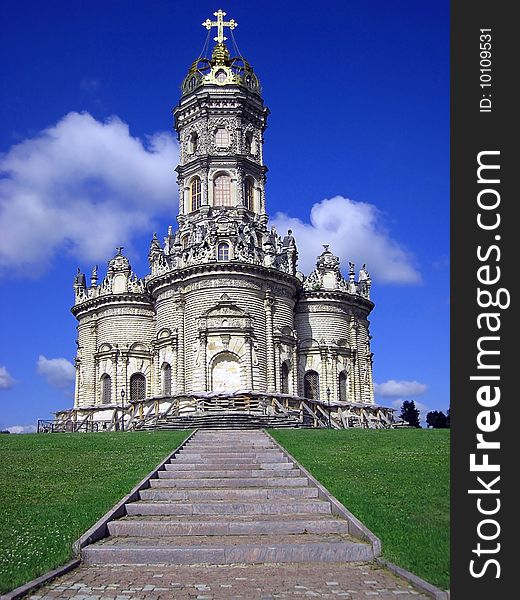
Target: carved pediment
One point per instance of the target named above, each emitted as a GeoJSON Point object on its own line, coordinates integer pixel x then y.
{"type": "Point", "coordinates": [225, 314]}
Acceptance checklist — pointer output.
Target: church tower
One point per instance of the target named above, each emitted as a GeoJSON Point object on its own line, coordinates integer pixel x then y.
{"type": "Point", "coordinates": [224, 312]}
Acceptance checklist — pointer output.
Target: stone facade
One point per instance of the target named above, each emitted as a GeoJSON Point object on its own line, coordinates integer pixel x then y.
{"type": "Point", "coordinates": [224, 307]}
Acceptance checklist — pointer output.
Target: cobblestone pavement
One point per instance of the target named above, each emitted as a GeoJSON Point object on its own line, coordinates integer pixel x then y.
{"type": "Point", "coordinates": [353, 581]}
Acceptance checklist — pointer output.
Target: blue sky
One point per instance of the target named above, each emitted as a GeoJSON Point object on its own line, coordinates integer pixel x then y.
{"type": "Point", "coordinates": [358, 134]}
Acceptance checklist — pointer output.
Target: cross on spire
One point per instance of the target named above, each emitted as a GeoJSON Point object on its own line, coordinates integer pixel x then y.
{"type": "Point", "coordinates": [219, 24]}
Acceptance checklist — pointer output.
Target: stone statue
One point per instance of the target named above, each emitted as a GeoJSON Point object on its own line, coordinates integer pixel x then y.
{"type": "Point", "coordinates": [80, 280]}
{"type": "Point", "coordinates": [363, 273]}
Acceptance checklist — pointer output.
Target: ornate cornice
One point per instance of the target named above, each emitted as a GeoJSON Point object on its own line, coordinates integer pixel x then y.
{"type": "Point", "coordinates": [112, 300]}
{"type": "Point", "coordinates": [156, 284]}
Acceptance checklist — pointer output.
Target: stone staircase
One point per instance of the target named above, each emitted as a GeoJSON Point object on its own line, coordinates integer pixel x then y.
{"type": "Point", "coordinates": [228, 497]}
{"type": "Point", "coordinates": [224, 420]}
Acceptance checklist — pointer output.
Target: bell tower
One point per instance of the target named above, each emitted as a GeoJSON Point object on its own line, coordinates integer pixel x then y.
{"type": "Point", "coordinates": [220, 120]}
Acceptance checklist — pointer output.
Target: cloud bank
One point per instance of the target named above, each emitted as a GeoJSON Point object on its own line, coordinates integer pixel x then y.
{"type": "Point", "coordinates": [393, 388]}
{"type": "Point", "coordinates": [355, 232]}
{"type": "Point", "coordinates": [81, 186]}
{"type": "Point", "coordinates": [22, 429]}
{"type": "Point", "coordinates": [58, 372]}
{"type": "Point", "coordinates": [6, 380]}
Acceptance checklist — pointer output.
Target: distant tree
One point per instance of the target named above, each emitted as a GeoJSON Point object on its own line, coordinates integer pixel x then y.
{"type": "Point", "coordinates": [448, 418]}
{"type": "Point", "coordinates": [410, 414]}
{"type": "Point", "coordinates": [437, 420]}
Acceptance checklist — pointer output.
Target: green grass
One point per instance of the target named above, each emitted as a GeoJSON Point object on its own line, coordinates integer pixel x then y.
{"type": "Point", "coordinates": [395, 481]}
{"type": "Point", "coordinates": [55, 486]}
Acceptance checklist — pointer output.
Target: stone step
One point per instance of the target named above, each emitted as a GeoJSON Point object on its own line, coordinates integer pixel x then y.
{"type": "Point", "coordinates": [185, 466]}
{"type": "Point", "coordinates": [209, 448]}
{"type": "Point", "coordinates": [273, 526]}
{"type": "Point", "coordinates": [309, 548]}
{"type": "Point", "coordinates": [228, 473]}
{"type": "Point", "coordinates": [215, 482]}
{"type": "Point", "coordinates": [221, 457]}
{"type": "Point", "coordinates": [304, 506]}
{"type": "Point", "coordinates": [229, 494]}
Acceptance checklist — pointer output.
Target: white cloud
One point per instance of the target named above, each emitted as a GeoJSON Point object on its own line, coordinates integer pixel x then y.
{"type": "Point", "coordinates": [22, 429]}
{"type": "Point", "coordinates": [59, 372]}
{"type": "Point", "coordinates": [355, 232]}
{"type": "Point", "coordinates": [83, 187]}
{"type": "Point", "coordinates": [6, 380]}
{"type": "Point", "coordinates": [400, 388]}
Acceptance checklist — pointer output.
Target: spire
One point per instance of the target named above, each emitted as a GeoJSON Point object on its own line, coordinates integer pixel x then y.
{"type": "Point", "coordinates": [223, 68]}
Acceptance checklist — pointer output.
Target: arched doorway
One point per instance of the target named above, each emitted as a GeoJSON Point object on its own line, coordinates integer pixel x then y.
{"type": "Point", "coordinates": [106, 389]}
{"type": "Point", "coordinates": [225, 373]}
{"type": "Point", "coordinates": [137, 386]}
{"type": "Point", "coordinates": [166, 379]}
{"type": "Point", "coordinates": [284, 374]}
{"type": "Point", "coordinates": [343, 388]}
{"type": "Point", "coordinates": [311, 385]}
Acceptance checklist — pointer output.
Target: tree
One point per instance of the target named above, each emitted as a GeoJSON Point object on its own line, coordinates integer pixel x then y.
{"type": "Point", "coordinates": [410, 414]}
{"type": "Point", "coordinates": [437, 420]}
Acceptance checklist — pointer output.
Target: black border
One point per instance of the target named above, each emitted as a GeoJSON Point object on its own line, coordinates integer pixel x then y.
{"type": "Point", "coordinates": [472, 132]}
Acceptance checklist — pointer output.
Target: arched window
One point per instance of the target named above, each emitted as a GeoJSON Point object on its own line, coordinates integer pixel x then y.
{"type": "Point", "coordinates": [221, 76]}
{"type": "Point", "coordinates": [106, 389]}
{"type": "Point", "coordinates": [311, 385]}
{"type": "Point", "coordinates": [137, 386]}
{"type": "Point", "coordinates": [250, 149]}
{"type": "Point", "coordinates": [222, 137]}
{"type": "Point", "coordinates": [285, 378]}
{"type": "Point", "coordinates": [193, 143]}
{"type": "Point", "coordinates": [223, 251]}
{"type": "Point", "coordinates": [222, 191]}
{"type": "Point", "coordinates": [342, 382]}
{"type": "Point", "coordinates": [195, 193]}
{"type": "Point", "coordinates": [250, 194]}
{"type": "Point", "coordinates": [166, 379]}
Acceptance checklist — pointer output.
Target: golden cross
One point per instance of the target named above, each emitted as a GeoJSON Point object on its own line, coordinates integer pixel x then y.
{"type": "Point", "coordinates": [219, 24]}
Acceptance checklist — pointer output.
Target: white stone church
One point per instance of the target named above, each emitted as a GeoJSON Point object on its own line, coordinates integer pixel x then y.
{"type": "Point", "coordinates": [224, 320]}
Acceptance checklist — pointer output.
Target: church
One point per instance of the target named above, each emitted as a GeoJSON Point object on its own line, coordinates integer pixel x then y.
{"type": "Point", "coordinates": [224, 322]}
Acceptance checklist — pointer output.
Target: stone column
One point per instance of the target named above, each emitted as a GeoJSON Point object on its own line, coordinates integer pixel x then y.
{"type": "Point", "coordinates": [270, 371]}
{"type": "Point", "coordinates": [174, 368]}
{"type": "Point", "coordinates": [114, 379]}
{"type": "Point", "coordinates": [248, 361]}
{"type": "Point", "coordinates": [180, 386]}
{"type": "Point", "coordinates": [294, 371]}
{"type": "Point", "coordinates": [157, 371]}
{"type": "Point", "coordinates": [203, 340]}
{"type": "Point", "coordinates": [239, 188]}
{"type": "Point", "coordinates": [277, 367]}
{"type": "Point", "coordinates": [334, 388]}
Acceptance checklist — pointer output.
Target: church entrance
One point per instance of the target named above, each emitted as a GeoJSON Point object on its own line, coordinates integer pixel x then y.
{"type": "Point", "coordinates": [225, 373]}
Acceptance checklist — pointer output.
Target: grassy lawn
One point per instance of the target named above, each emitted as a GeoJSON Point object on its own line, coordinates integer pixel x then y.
{"type": "Point", "coordinates": [55, 486]}
{"type": "Point", "coordinates": [395, 481]}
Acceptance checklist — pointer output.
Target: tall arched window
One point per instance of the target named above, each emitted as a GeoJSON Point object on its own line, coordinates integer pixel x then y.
{"type": "Point", "coordinates": [193, 143]}
{"type": "Point", "coordinates": [311, 385]}
{"type": "Point", "coordinates": [222, 137]}
{"type": "Point", "coordinates": [223, 251]}
{"type": "Point", "coordinates": [106, 389]}
{"type": "Point", "coordinates": [195, 193]}
{"type": "Point", "coordinates": [249, 143]}
{"type": "Point", "coordinates": [250, 194]}
{"type": "Point", "coordinates": [222, 191]}
{"type": "Point", "coordinates": [166, 379]}
{"type": "Point", "coordinates": [342, 382]}
{"type": "Point", "coordinates": [137, 386]}
{"type": "Point", "coordinates": [285, 378]}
